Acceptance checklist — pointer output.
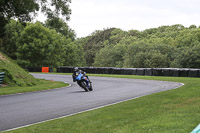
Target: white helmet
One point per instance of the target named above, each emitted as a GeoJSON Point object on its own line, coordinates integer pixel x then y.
{"type": "Point", "coordinates": [76, 69]}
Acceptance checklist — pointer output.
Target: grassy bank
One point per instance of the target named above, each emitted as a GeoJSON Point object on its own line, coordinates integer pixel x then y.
{"type": "Point", "coordinates": [17, 80]}
{"type": "Point", "coordinates": [173, 111]}
{"type": "Point", "coordinates": [15, 75]}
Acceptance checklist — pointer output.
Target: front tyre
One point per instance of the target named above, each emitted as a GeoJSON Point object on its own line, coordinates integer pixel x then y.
{"type": "Point", "coordinates": [90, 89]}
{"type": "Point", "coordinates": [84, 86]}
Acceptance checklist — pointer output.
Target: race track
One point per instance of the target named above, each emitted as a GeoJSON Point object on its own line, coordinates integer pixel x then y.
{"type": "Point", "coordinates": [29, 108]}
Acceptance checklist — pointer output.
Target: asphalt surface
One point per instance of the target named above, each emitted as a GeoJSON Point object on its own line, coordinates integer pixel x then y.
{"type": "Point", "coordinates": [29, 108]}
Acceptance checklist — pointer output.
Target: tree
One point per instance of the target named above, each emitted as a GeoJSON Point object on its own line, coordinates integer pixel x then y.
{"type": "Point", "coordinates": [93, 43]}
{"type": "Point", "coordinates": [20, 9]}
{"type": "Point", "coordinates": [187, 57]}
{"type": "Point", "coordinates": [74, 55]}
{"type": "Point", "coordinates": [12, 33]}
{"type": "Point", "coordinates": [61, 27]}
{"type": "Point", "coordinates": [148, 55]}
{"type": "Point", "coordinates": [39, 46]}
{"type": "Point", "coordinates": [110, 56]}
{"type": "Point", "coordinates": [155, 59]}
{"type": "Point", "coordinates": [188, 38]}
{"type": "Point", "coordinates": [192, 27]}
{"type": "Point", "coordinates": [104, 57]}
{"type": "Point", "coordinates": [117, 35]}
{"type": "Point", "coordinates": [57, 8]}
{"type": "Point", "coordinates": [25, 10]}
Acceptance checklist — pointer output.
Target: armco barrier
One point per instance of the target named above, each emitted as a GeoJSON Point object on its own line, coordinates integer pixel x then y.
{"type": "Point", "coordinates": [2, 75]}
{"type": "Point", "coordinates": [174, 72]}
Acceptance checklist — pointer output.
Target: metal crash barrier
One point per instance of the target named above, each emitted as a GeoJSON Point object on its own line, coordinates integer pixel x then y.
{"type": "Point", "coordinates": [2, 75]}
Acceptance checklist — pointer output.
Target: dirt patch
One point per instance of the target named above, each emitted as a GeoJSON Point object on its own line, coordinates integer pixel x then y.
{"type": "Point", "coordinates": [3, 58]}
{"type": "Point", "coordinates": [3, 85]}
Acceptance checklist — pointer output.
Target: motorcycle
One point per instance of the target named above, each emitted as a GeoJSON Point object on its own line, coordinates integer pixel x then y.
{"type": "Point", "coordinates": [84, 82]}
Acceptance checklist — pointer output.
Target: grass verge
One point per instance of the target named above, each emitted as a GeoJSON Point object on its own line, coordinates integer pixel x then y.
{"type": "Point", "coordinates": [173, 111]}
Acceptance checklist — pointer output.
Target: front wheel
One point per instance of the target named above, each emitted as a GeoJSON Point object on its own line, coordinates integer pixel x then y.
{"type": "Point", "coordinates": [90, 89]}
{"type": "Point", "coordinates": [84, 86]}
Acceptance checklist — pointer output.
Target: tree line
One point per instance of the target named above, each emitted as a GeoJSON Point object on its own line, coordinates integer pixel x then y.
{"type": "Point", "coordinates": [54, 44]}
{"type": "Point", "coordinates": [163, 47]}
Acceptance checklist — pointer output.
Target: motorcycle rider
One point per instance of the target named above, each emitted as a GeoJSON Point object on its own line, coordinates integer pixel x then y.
{"type": "Point", "coordinates": [77, 72]}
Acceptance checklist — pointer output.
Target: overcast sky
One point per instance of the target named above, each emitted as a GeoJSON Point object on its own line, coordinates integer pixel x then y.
{"type": "Point", "coordinates": [90, 15]}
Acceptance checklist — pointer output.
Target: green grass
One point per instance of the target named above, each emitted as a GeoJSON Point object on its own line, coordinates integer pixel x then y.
{"type": "Point", "coordinates": [173, 111]}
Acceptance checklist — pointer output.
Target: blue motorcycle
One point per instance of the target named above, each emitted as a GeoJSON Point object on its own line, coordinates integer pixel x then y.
{"type": "Point", "coordinates": [84, 82]}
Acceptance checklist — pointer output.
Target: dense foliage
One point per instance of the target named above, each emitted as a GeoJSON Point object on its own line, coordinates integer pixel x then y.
{"type": "Point", "coordinates": [35, 44]}
{"type": "Point", "coordinates": [38, 44]}
{"type": "Point", "coordinates": [26, 10]}
{"type": "Point", "coordinates": [92, 44]}
{"type": "Point", "coordinates": [54, 44]}
{"type": "Point", "coordinates": [12, 33]}
{"type": "Point", "coordinates": [165, 46]}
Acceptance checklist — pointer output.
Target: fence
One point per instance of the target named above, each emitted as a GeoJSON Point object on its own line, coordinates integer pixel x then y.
{"type": "Point", "coordinates": [175, 72]}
